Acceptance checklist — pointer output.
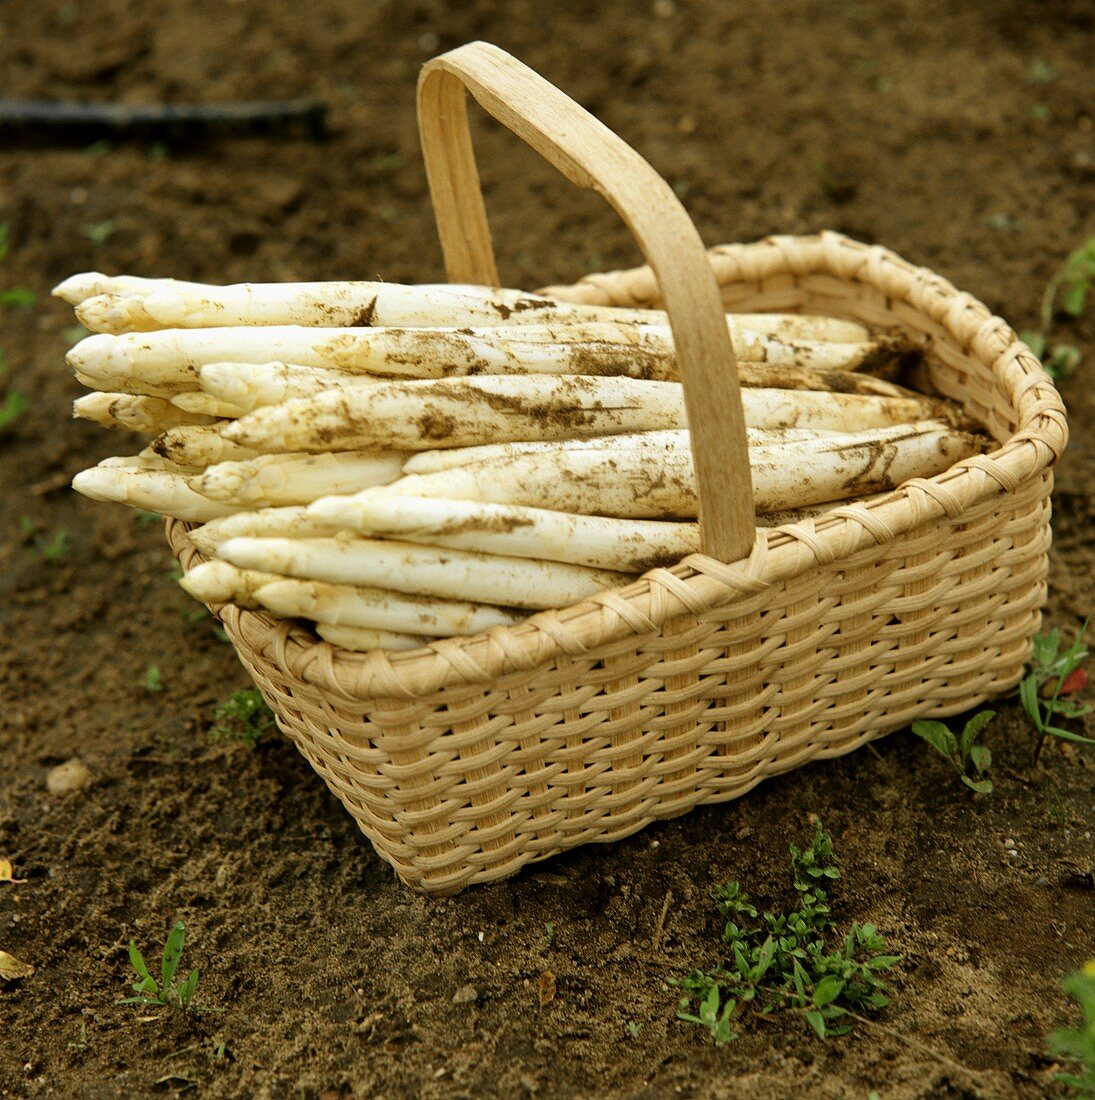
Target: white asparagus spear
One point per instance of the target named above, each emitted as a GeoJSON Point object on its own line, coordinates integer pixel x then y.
{"type": "Point", "coordinates": [139, 461]}
{"type": "Point", "coordinates": [148, 460]}
{"type": "Point", "coordinates": [216, 582]}
{"type": "Point", "coordinates": [297, 478]}
{"type": "Point", "coordinates": [237, 388]}
{"type": "Point", "coordinates": [205, 404]}
{"type": "Point", "coordinates": [166, 304]}
{"type": "Point", "coordinates": [380, 609]}
{"type": "Point", "coordinates": [121, 308]}
{"type": "Point", "coordinates": [428, 462]}
{"type": "Point", "coordinates": [359, 640]}
{"type": "Point", "coordinates": [151, 490]}
{"type": "Point", "coordinates": [77, 288]}
{"type": "Point", "coordinates": [154, 461]}
{"type": "Point", "coordinates": [296, 522]}
{"type": "Point", "coordinates": [659, 483]}
{"type": "Point", "coordinates": [600, 542]}
{"type": "Point", "coordinates": [458, 412]}
{"type": "Point", "coordinates": [423, 570]}
{"type": "Point", "coordinates": [198, 446]}
{"type": "Point", "coordinates": [291, 522]}
{"type": "Point", "coordinates": [133, 413]}
{"type": "Point", "coordinates": [452, 412]}
{"type": "Point", "coordinates": [248, 386]}
{"type": "Point", "coordinates": [167, 362]}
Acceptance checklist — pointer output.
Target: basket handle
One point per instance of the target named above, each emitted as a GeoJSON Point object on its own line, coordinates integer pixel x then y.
{"type": "Point", "coordinates": [590, 155]}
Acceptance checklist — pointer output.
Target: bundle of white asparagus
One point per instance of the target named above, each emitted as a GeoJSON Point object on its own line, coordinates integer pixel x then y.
{"type": "Point", "coordinates": [397, 464]}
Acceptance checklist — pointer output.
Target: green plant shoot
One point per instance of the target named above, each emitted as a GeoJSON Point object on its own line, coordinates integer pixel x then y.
{"type": "Point", "coordinates": [243, 716]}
{"type": "Point", "coordinates": [1051, 676]}
{"type": "Point", "coordinates": [1077, 1045]}
{"type": "Point", "coordinates": [783, 961]}
{"type": "Point", "coordinates": [1066, 292]}
{"type": "Point", "coordinates": [166, 992]}
{"type": "Point", "coordinates": [961, 751]}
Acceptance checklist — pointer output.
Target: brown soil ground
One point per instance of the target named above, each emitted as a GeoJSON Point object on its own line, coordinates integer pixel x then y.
{"type": "Point", "coordinates": [919, 125]}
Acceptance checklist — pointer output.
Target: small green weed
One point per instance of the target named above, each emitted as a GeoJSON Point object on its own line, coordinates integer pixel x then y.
{"type": "Point", "coordinates": [1077, 1045]}
{"type": "Point", "coordinates": [1058, 810]}
{"type": "Point", "coordinates": [633, 1029]}
{"type": "Point", "coordinates": [784, 962]}
{"type": "Point", "coordinates": [1051, 674]}
{"type": "Point", "coordinates": [1066, 292]}
{"type": "Point", "coordinates": [153, 679]}
{"type": "Point", "coordinates": [243, 716]}
{"type": "Point", "coordinates": [1041, 72]}
{"type": "Point", "coordinates": [12, 408]}
{"type": "Point", "coordinates": [167, 991]}
{"type": "Point", "coordinates": [55, 547]}
{"type": "Point", "coordinates": [1004, 223]}
{"type": "Point", "coordinates": [17, 297]}
{"type": "Point", "coordinates": [100, 232]}
{"type": "Point", "coordinates": [961, 751]}
{"type": "Point", "coordinates": [48, 549]}
{"type": "Point", "coordinates": [389, 162]}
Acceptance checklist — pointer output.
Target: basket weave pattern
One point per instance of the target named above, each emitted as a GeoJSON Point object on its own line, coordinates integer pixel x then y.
{"type": "Point", "coordinates": [467, 759]}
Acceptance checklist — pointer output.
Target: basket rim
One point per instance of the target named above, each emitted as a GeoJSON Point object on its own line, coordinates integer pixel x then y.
{"type": "Point", "coordinates": [698, 583]}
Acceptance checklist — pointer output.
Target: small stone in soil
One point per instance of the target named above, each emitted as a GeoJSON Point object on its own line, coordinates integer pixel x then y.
{"type": "Point", "coordinates": [72, 775]}
{"type": "Point", "coordinates": [465, 995]}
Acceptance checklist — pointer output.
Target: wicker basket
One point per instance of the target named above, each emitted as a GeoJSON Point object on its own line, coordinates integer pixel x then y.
{"type": "Point", "coordinates": [469, 758]}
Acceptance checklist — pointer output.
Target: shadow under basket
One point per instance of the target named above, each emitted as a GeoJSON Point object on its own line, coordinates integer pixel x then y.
{"type": "Point", "coordinates": [469, 758]}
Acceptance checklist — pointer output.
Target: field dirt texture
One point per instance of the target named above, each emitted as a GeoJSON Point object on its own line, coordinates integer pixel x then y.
{"type": "Point", "coordinates": [959, 135]}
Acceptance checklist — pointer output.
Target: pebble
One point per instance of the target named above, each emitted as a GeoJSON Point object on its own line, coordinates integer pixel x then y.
{"type": "Point", "coordinates": [1041, 880]}
{"type": "Point", "coordinates": [465, 995]}
{"type": "Point", "coordinates": [72, 775]}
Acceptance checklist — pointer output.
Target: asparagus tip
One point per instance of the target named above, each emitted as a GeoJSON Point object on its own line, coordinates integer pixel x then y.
{"type": "Point", "coordinates": [95, 483]}
{"type": "Point", "coordinates": [83, 355]}
{"type": "Point", "coordinates": [329, 509]}
{"type": "Point", "coordinates": [210, 582]}
{"type": "Point", "coordinates": [76, 288]}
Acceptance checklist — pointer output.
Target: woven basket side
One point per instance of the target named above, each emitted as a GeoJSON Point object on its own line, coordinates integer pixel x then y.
{"type": "Point", "coordinates": [471, 783]}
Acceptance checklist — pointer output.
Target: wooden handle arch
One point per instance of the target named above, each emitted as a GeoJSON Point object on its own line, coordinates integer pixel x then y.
{"type": "Point", "coordinates": [590, 155]}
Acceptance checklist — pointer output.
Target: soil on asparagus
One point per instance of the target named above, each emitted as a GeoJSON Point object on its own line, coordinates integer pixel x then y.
{"type": "Point", "coordinates": [959, 135]}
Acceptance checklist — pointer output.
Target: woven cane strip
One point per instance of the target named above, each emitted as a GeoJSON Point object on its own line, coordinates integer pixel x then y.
{"type": "Point", "coordinates": [467, 759]}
